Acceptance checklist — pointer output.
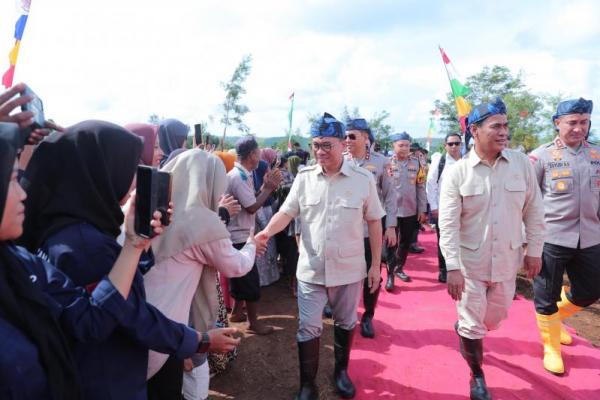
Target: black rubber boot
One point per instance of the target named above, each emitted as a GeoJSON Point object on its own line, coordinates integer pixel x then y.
{"type": "Point", "coordinates": [342, 345]}
{"type": "Point", "coordinates": [308, 353]}
{"type": "Point", "coordinates": [389, 284]}
{"type": "Point", "coordinates": [370, 302]}
{"type": "Point", "coordinates": [402, 255]}
{"type": "Point", "coordinates": [472, 352]}
{"type": "Point", "coordinates": [415, 248]}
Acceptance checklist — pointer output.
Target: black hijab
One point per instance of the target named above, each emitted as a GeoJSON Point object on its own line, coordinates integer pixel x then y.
{"type": "Point", "coordinates": [171, 134]}
{"type": "Point", "coordinates": [23, 305]}
{"type": "Point", "coordinates": [79, 176]}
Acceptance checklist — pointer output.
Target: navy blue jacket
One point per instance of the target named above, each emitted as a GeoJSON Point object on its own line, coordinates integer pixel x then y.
{"type": "Point", "coordinates": [115, 368]}
{"type": "Point", "coordinates": [86, 318]}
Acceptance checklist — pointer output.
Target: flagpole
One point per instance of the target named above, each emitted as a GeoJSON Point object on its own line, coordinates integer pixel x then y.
{"type": "Point", "coordinates": [290, 116]}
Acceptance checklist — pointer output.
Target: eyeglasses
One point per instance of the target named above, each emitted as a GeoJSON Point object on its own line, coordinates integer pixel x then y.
{"type": "Point", "coordinates": [351, 136]}
{"type": "Point", "coordinates": [326, 146]}
{"type": "Point", "coordinates": [453, 144]}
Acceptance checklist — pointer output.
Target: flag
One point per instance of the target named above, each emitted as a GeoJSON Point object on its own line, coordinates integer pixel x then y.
{"type": "Point", "coordinates": [459, 91]}
{"type": "Point", "coordinates": [430, 133]}
{"type": "Point", "coordinates": [290, 114]}
{"type": "Point", "coordinates": [23, 10]}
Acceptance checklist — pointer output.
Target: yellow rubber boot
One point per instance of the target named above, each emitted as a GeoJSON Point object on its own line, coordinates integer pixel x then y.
{"type": "Point", "coordinates": [549, 326]}
{"type": "Point", "coordinates": [565, 310]}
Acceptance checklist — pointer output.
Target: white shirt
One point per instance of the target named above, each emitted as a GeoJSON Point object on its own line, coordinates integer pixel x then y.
{"type": "Point", "coordinates": [432, 185]}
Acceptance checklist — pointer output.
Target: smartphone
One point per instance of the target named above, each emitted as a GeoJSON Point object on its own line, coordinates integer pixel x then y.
{"type": "Point", "coordinates": [153, 193]}
{"type": "Point", "coordinates": [198, 134]}
{"type": "Point", "coordinates": [37, 108]}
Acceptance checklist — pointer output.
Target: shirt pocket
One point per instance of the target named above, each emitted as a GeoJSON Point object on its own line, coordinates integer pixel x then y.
{"type": "Point", "coordinates": [472, 196]}
{"type": "Point", "coordinates": [561, 181]}
{"type": "Point", "coordinates": [595, 178]}
{"type": "Point", "coordinates": [515, 192]}
{"type": "Point", "coordinates": [311, 207]}
{"type": "Point", "coordinates": [350, 210]}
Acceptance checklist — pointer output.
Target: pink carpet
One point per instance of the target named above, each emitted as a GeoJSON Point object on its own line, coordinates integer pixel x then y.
{"type": "Point", "coordinates": [415, 354]}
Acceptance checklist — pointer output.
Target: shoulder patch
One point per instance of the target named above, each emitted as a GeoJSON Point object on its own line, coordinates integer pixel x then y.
{"type": "Point", "coordinates": [307, 168]}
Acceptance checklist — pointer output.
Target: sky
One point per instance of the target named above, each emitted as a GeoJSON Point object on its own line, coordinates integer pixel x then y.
{"type": "Point", "coordinates": [122, 61]}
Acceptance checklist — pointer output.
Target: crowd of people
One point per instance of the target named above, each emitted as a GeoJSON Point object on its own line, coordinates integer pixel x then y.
{"type": "Point", "coordinates": [90, 309]}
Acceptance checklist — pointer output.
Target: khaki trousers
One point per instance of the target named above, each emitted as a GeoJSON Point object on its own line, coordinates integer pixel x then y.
{"type": "Point", "coordinates": [483, 306]}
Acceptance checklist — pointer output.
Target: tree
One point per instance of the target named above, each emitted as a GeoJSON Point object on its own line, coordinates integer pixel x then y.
{"type": "Point", "coordinates": [154, 118]}
{"type": "Point", "coordinates": [234, 90]}
{"type": "Point", "coordinates": [527, 112]}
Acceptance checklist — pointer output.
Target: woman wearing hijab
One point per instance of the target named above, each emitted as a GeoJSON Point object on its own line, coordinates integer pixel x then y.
{"type": "Point", "coordinates": [268, 271]}
{"type": "Point", "coordinates": [293, 164]}
{"type": "Point", "coordinates": [193, 248]}
{"type": "Point", "coordinates": [172, 135]}
{"type": "Point", "coordinates": [76, 184]}
{"type": "Point", "coordinates": [152, 153]}
{"type": "Point", "coordinates": [269, 155]}
{"type": "Point", "coordinates": [41, 311]}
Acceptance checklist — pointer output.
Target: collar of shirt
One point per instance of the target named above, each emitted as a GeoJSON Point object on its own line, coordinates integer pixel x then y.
{"type": "Point", "coordinates": [241, 167]}
{"type": "Point", "coordinates": [345, 169]}
{"type": "Point", "coordinates": [474, 158]}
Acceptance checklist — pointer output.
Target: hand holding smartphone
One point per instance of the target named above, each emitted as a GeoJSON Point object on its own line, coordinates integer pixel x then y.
{"type": "Point", "coordinates": [153, 193]}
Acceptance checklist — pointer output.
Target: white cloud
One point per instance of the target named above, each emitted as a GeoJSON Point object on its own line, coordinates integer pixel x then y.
{"type": "Point", "coordinates": [122, 61]}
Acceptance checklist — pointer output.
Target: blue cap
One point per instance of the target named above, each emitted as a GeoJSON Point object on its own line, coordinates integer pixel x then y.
{"type": "Point", "coordinates": [360, 124]}
{"type": "Point", "coordinates": [482, 111]}
{"type": "Point", "coordinates": [327, 126]}
{"type": "Point", "coordinates": [400, 136]}
{"type": "Point", "coordinates": [245, 145]}
{"type": "Point", "coordinates": [579, 106]}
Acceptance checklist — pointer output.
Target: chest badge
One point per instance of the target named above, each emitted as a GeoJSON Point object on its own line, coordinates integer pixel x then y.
{"type": "Point", "coordinates": [595, 154]}
{"type": "Point", "coordinates": [556, 155]}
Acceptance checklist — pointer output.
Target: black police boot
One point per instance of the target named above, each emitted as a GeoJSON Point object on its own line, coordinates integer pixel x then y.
{"type": "Point", "coordinates": [308, 353]}
{"type": "Point", "coordinates": [415, 248]}
{"type": "Point", "coordinates": [402, 255]}
{"type": "Point", "coordinates": [370, 301]}
{"type": "Point", "coordinates": [389, 284]}
{"type": "Point", "coordinates": [472, 352]}
{"type": "Point", "coordinates": [342, 343]}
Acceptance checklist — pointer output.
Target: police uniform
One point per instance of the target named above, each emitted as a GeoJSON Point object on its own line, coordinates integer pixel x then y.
{"type": "Point", "coordinates": [379, 166]}
{"type": "Point", "coordinates": [409, 181]}
{"type": "Point", "coordinates": [570, 183]}
{"type": "Point", "coordinates": [331, 265]}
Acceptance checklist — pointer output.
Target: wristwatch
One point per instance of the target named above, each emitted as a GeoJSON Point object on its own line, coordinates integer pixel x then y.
{"type": "Point", "coordinates": [204, 343]}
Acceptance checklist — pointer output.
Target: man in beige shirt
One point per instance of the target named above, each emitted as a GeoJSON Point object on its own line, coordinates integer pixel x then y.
{"type": "Point", "coordinates": [331, 200]}
{"type": "Point", "coordinates": [486, 199]}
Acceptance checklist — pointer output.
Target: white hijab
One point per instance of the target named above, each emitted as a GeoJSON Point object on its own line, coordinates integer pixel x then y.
{"type": "Point", "coordinates": [198, 182]}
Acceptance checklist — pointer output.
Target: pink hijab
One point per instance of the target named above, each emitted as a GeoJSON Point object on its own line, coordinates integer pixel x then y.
{"type": "Point", "coordinates": [269, 155]}
{"type": "Point", "coordinates": [148, 132]}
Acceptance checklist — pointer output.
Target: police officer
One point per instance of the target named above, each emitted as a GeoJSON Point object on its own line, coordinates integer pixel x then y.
{"type": "Point", "coordinates": [421, 154]}
{"type": "Point", "coordinates": [331, 199]}
{"type": "Point", "coordinates": [409, 180]}
{"type": "Point", "coordinates": [359, 140]}
{"type": "Point", "coordinates": [568, 172]}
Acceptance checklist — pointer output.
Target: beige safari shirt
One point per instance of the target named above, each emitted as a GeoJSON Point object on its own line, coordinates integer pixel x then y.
{"type": "Point", "coordinates": [482, 212]}
{"type": "Point", "coordinates": [331, 210]}
{"type": "Point", "coordinates": [570, 184]}
{"type": "Point", "coordinates": [379, 166]}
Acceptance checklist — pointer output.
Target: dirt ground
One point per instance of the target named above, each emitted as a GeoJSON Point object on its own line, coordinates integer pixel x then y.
{"type": "Point", "coordinates": [267, 367]}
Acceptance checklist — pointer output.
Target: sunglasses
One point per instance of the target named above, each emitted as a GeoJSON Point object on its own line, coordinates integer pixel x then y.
{"type": "Point", "coordinates": [453, 144]}
{"type": "Point", "coordinates": [326, 146]}
{"type": "Point", "coordinates": [351, 136]}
